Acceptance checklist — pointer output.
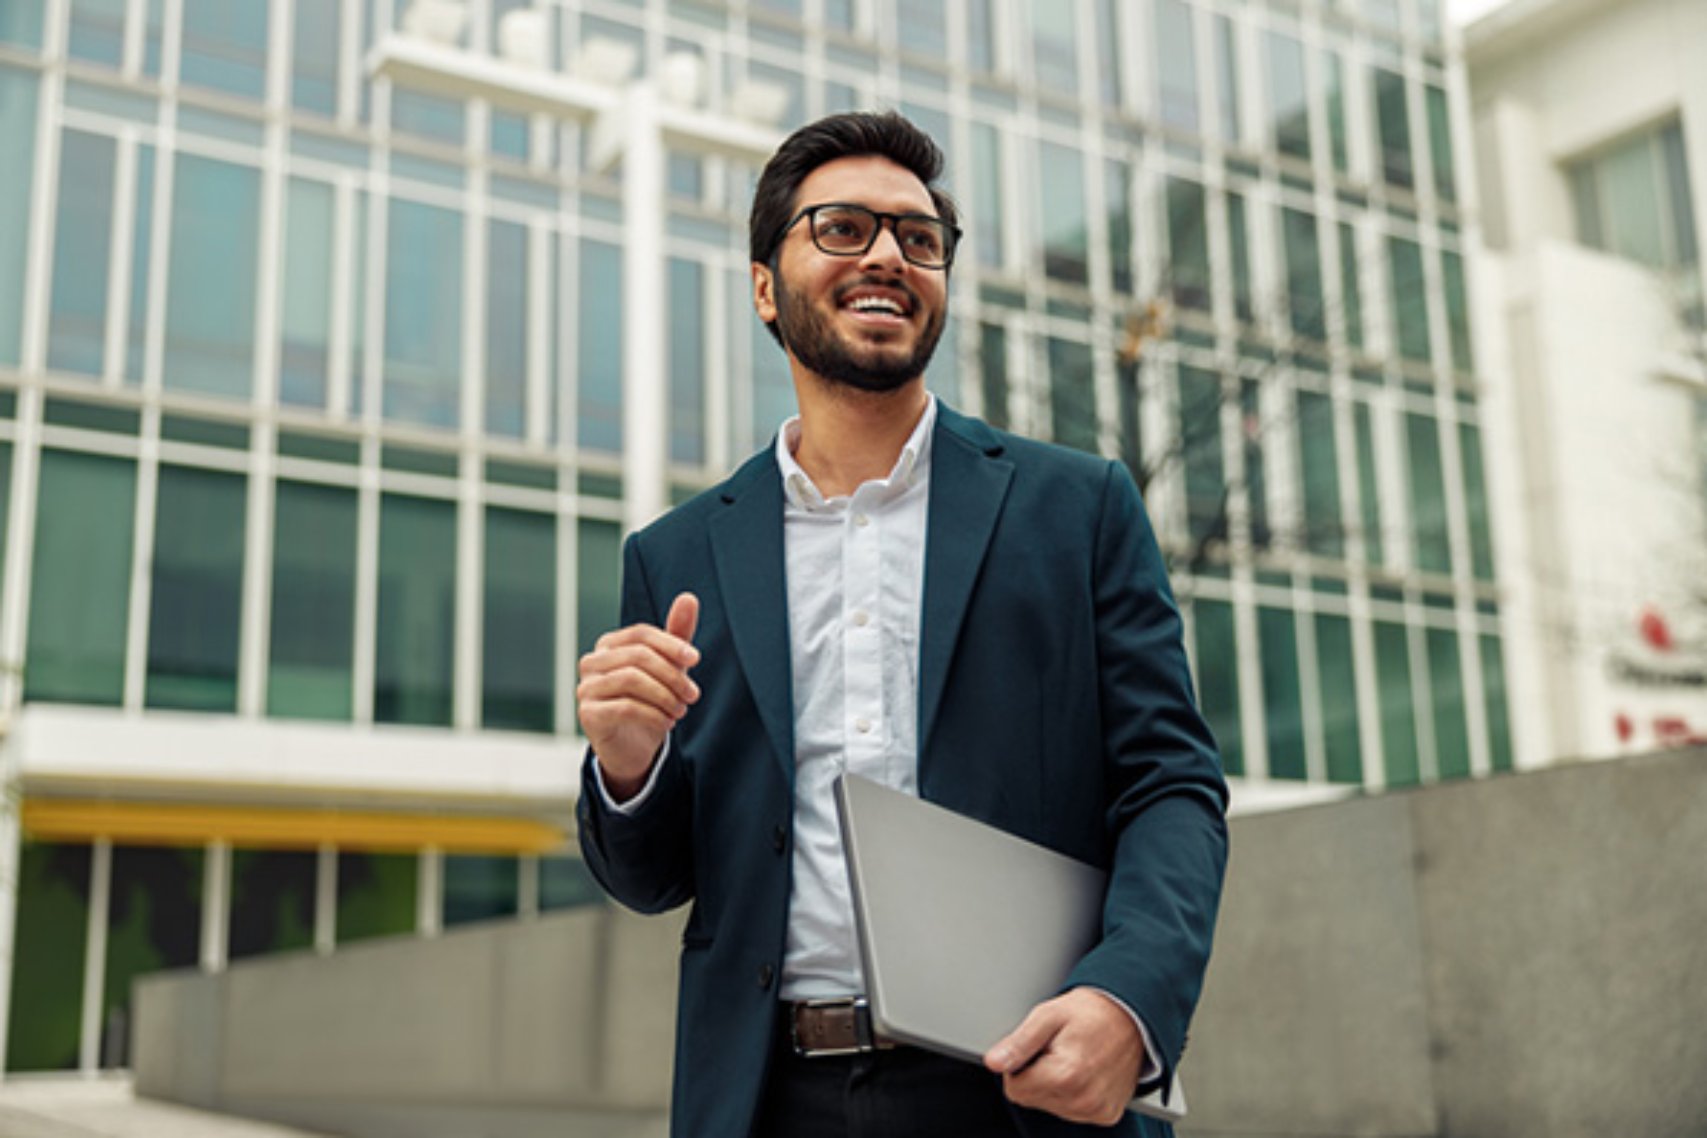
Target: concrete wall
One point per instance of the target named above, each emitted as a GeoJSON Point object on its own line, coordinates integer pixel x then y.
{"type": "Point", "coordinates": [1520, 957]}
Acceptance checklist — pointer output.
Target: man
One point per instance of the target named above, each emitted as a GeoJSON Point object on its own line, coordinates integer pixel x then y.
{"type": "Point", "coordinates": [897, 590]}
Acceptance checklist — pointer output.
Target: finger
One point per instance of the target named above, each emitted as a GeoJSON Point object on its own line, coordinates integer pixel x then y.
{"type": "Point", "coordinates": [644, 657]}
{"type": "Point", "coordinates": [664, 688]}
{"type": "Point", "coordinates": [1025, 1042]}
{"type": "Point", "coordinates": [677, 649]}
{"type": "Point", "coordinates": [684, 618]}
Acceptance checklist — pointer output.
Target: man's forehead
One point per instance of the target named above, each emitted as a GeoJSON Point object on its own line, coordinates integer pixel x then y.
{"type": "Point", "coordinates": [866, 179]}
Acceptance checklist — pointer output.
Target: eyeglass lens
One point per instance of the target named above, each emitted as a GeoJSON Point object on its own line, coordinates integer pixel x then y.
{"type": "Point", "coordinates": [848, 230]}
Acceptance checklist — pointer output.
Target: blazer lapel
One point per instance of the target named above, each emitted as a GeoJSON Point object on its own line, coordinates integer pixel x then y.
{"type": "Point", "coordinates": [746, 546]}
{"type": "Point", "coordinates": [969, 483]}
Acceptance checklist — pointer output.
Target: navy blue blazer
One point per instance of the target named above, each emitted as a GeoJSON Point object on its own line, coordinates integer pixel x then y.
{"type": "Point", "coordinates": [1054, 702]}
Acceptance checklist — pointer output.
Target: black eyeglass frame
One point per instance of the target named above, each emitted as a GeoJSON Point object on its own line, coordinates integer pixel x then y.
{"type": "Point", "coordinates": [950, 246]}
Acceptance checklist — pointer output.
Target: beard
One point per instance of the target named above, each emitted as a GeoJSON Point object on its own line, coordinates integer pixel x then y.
{"type": "Point", "coordinates": [807, 334]}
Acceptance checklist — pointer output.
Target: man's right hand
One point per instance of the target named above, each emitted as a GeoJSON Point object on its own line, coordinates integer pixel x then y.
{"type": "Point", "coordinates": [634, 687]}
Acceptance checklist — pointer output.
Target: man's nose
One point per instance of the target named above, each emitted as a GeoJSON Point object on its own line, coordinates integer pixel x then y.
{"type": "Point", "coordinates": [885, 251]}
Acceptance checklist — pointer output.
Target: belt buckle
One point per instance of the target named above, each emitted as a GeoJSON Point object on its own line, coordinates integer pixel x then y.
{"type": "Point", "coordinates": [857, 1008]}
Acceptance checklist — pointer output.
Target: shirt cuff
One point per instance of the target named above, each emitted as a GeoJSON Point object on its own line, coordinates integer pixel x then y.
{"type": "Point", "coordinates": [1152, 1068]}
{"type": "Point", "coordinates": [645, 792]}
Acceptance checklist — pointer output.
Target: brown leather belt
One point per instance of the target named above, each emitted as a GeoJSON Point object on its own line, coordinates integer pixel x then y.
{"type": "Point", "coordinates": [832, 1027]}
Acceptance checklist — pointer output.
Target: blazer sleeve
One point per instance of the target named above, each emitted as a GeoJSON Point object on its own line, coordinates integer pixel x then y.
{"type": "Point", "coordinates": [1165, 797]}
{"type": "Point", "coordinates": [644, 859]}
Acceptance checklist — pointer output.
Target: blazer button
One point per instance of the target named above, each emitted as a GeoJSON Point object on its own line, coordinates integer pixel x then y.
{"type": "Point", "coordinates": [766, 975]}
{"type": "Point", "coordinates": [779, 839]}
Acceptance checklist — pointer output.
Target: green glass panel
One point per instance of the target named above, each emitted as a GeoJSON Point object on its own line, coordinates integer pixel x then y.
{"type": "Point", "coordinates": [1054, 43]}
{"type": "Point", "coordinates": [376, 895]}
{"type": "Point", "coordinates": [1200, 447]}
{"type": "Point", "coordinates": [154, 922]}
{"type": "Point", "coordinates": [210, 303]}
{"type": "Point", "coordinates": [598, 573]}
{"type": "Point", "coordinates": [1072, 394]}
{"type": "Point", "coordinates": [1282, 699]}
{"type": "Point", "coordinates": [1288, 98]}
{"type": "Point", "coordinates": [565, 883]}
{"type": "Point", "coordinates": [507, 270]}
{"type": "Point", "coordinates": [314, 56]}
{"type": "Point", "coordinates": [1217, 662]}
{"type": "Point", "coordinates": [1319, 464]}
{"type": "Point", "coordinates": [45, 1021]}
{"type": "Point", "coordinates": [21, 24]}
{"type": "Point", "coordinates": [1351, 294]}
{"type": "Point", "coordinates": [1333, 82]}
{"type": "Point", "coordinates": [272, 901]}
{"type": "Point", "coordinates": [1494, 693]}
{"type": "Point", "coordinates": [1227, 76]}
{"type": "Point", "coordinates": [687, 361]}
{"type": "Point", "coordinates": [18, 142]}
{"type": "Point", "coordinates": [1394, 129]}
{"type": "Point", "coordinates": [993, 373]}
{"type": "Point", "coordinates": [82, 253]}
{"type": "Point", "coordinates": [311, 647]}
{"type": "Point", "coordinates": [598, 347]}
{"type": "Point", "coordinates": [196, 591]}
{"type": "Point", "coordinates": [1410, 299]}
{"type": "Point", "coordinates": [1368, 489]}
{"type": "Point", "coordinates": [1337, 674]}
{"type": "Point", "coordinates": [305, 318]}
{"type": "Point", "coordinates": [1303, 274]}
{"type": "Point", "coordinates": [1129, 404]}
{"type": "Point", "coordinates": [1188, 238]}
{"type": "Point", "coordinates": [1117, 195]}
{"type": "Point", "coordinates": [519, 669]}
{"type": "Point", "coordinates": [1398, 705]}
{"type": "Point", "coordinates": [1239, 251]}
{"type": "Point", "coordinates": [1476, 502]}
{"type": "Point", "coordinates": [5, 503]}
{"type": "Point", "coordinates": [1440, 143]}
{"type": "Point", "coordinates": [423, 314]}
{"type": "Point", "coordinates": [479, 888]}
{"type": "Point", "coordinates": [80, 578]}
{"type": "Point", "coordinates": [414, 654]}
{"type": "Point", "coordinates": [1065, 253]}
{"type": "Point", "coordinates": [1256, 478]}
{"type": "Point", "coordinates": [1176, 66]}
{"type": "Point", "coordinates": [1457, 310]}
{"type": "Point", "coordinates": [987, 194]}
{"type": "Point", "coordinates": [1446, 681]}
{"type": "Point", "coordinates": [1428, 495]}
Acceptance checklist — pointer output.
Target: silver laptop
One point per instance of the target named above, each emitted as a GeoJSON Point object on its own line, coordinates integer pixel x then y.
{"type": "Point", "coordinates": [963, 928]}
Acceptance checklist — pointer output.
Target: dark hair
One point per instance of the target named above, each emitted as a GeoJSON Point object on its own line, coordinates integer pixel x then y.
{"type": "Point", "coordinates": [886, 135]}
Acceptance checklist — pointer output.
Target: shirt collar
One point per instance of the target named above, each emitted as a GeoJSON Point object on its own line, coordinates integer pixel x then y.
{"type": "Point", "coordinates": [912, 466]}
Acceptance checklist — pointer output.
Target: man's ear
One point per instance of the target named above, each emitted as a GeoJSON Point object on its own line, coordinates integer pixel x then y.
{"type": "Point", "coordinates": [764, 292]}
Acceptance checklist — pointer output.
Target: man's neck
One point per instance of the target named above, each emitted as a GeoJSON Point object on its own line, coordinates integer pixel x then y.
{"type": "Point", "coordinates": [849, 437]}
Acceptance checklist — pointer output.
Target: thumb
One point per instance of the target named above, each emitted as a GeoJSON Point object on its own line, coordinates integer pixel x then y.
{"type": "Point", "coordinates": [1025, 1042]}
{"type": "Point", "coordinates": [683, 618]}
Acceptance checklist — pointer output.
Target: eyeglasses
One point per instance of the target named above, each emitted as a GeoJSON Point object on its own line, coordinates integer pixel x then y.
{"type": "Point", "coordinates": [842, 229]}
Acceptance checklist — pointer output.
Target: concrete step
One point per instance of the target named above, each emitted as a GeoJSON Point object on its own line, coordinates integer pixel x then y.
{"type": "Point", "coordinates": [70, 1106]}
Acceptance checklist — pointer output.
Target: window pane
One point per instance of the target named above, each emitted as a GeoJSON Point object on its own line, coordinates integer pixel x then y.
{"type": "Point", "coordinates": [1252, 428]}
{"type": "Point", "coordinates": [51, 930]}
{"type": "Point", "coordinates": [1117, 189]}
{"type": "Point", "coordinates": [993, 373]}
{"type": "Point", "coordinates": [141, 267]}
{"type": "Point", "coordinates": [18, 142]}
{"type": "Point", "coordinates": [1337, 680]}
{"type": "Point", "coordinates": [154, 922]}
{"type": "Point", "coordinates": [1457, 310]}
{"type": "Point", "coordinates": [1129, 407]}
{"type": "Point", "coordinates": [311, 647]}
{"type": "Point", "coordinates": [306, 316]}
{"type": "Point", "coordinates": [1440, 144]}
{"type": "Point", "coordinates": [1368, 489]}
{"type": "Point", "coordinates": [376, 895]}
{"type": "Point", "coordinates": [1493, 690]}
{"type": "Point", "coordinates": [1189, 241]}
{"type": "Point", "coordinates": [1288, 101]}
{"type": "Point", "coordinates": [1319, 463]}
{"type": "Point", "coordinates": [272, 901]}
{"type": "Point", "coordinates": [1476, 503]}
{"type": "Point", "coordinates": [519, 669]}
{"type": "Point", "coordinates": [598, 569]}
{"type": "Point", "coordinates": [1410, 301]}
{"type": "Point", "coordinates": [1428, 495]}
{"type": "Point", "coordinates": [82, 252]}
{"type": "Point", "coordinates": [21, 24]}
{"type": "Point", "coordinates": [1227, 77]}
{"type": "Point", "coordinates": [210, 304]}
{"type": "Point", "coordinates": [1239, 245]}
{"type": "Point", "coordinates": [5, 502]}
{"type": "Point", "coordinates": [565, 883]}
{"type": "Point", "coordinates": [225, 46]}
{"type": "Point", "coordinates": [687, 361]}
{"type": "Point", "coordinates": [196, 590]}
{"type": "Point", "coordinates": [1200, 446]}
{"type": "Point", "coordinates": [922, 28]}
{"type": "Point", "coordinates": [987, 194]}
{"type": "Point", "coordinates": [1679, 196]}
{"type": "Point", "coordinates": [1217, 662]}
{"type": "Point", "coordinates": [80, 578]}
{"type": "Point", "coordinates": [314, 57]}
{"type": "Point", "coordinates": [1451, 730]}
{"type": "Point", "coordinates": [1176, 66]}
{"type": "Point", "coordinates": [599, 346]}
{"type": "Point", "coordinates": [1072, 394]}
{"type": "Point", "coordinates": [1394, 128]}
{"type": "Point", "coordinates": [1282, 700]}
{"type": "Point", "coordinates": [479, 888]}
{"type": "Point", "coordinates": [1585, 199]}
{"type": "Point", "coordinates": [423, 314]}
{"type": "Point", "coordinates": [1054, 43]}
{"type": "Point", "coordinates": [97, 31]}
{"type": "Point", "coordinates": [428, 117]}
{"type": "Point", "coordinates": [1398, 709]}
{"type": "Point", "coordinates": [506, 328]}
{"type": "Point", "coordinates": [1303, 274]}
{"type": "Point", "coordinates": [1108, 50]}
{"type": "Point", "coordinates": [1629, 184]}
{"type": "Point", "coordinates": [417, 611]}
{"type": "Point", "coordinates": [1333, 78]}
{"type": "Point", "coordinates": [1350, 290]}
{"type": "Point", "coordinates": [1065, 248]}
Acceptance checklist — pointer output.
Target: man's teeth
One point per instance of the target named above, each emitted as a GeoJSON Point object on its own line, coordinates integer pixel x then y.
{"type": "Point", "coordinates": [875, 304]}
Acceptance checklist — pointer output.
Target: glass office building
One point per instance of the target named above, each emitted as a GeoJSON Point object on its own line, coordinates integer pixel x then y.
{"type": "Point", "coordinates": [312, 415]}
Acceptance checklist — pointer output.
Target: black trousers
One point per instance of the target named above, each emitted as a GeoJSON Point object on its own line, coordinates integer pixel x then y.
{"type": "Point", "coordinates": [901, 1093]}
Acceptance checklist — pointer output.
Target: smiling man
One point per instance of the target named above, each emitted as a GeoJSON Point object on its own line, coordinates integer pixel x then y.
{"type": "Point", "coordinates": [900, 591]}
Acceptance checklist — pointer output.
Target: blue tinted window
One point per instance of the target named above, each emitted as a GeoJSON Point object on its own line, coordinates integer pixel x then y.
{"type": "Point", "coordinates": [82, 251]}
{"type": "Point", "coordinates": [314, 57]}
{"type": "Point", "coordinates": [1065, 242]}
{"type": "Point", "coordinates": [599, 351]}
{"type": "Point", "coordinates": [1054, 43]}
{"type": "Point", "coordinates": [141, 257]}
{"type": "Point", "coordinates": [506, 328]}
{"type": "Point", "coordinates": [687, 361]}
{"type": "Point", "coordinates": [18, 143]}
{"type": "Point", "coordinates": [210, 304]}
{"type": "Point", "coordinates": [423, 314]}
{"type": "Point", "coordinates": [21, 23]}
{"type": "Point", "coordinates": [305, 319]}
{"type": "Point", "coordinates": [1176, 66]}
{"type": "Point", "coordinates": [97, 31]}
{"type": "Point", "coordinates": [225, 46]}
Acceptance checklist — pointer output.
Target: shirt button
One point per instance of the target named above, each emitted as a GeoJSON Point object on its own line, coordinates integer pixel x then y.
{"type": "Point", "coordinates": [766, 975]}
{"type": "Point", "coordinates": [861, 619]}
{"type": "Point", "coordinates": [861, 521]}
{"type": "Point", "coordinates": [779, 839]}
{"type": "Point", "coordinates": [862, 725]}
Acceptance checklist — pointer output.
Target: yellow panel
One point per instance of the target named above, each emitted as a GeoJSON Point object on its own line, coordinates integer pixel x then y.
{"type": "Point", "coordinates": [147, 823]}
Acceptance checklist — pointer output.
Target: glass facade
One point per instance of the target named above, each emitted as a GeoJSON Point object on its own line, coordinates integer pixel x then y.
{"type": "Point", "coordinates": [322, 398]}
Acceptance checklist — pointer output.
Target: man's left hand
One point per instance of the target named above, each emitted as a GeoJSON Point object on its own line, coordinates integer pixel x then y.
{"type": "Point", "coordinates": [1076, 1056]}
